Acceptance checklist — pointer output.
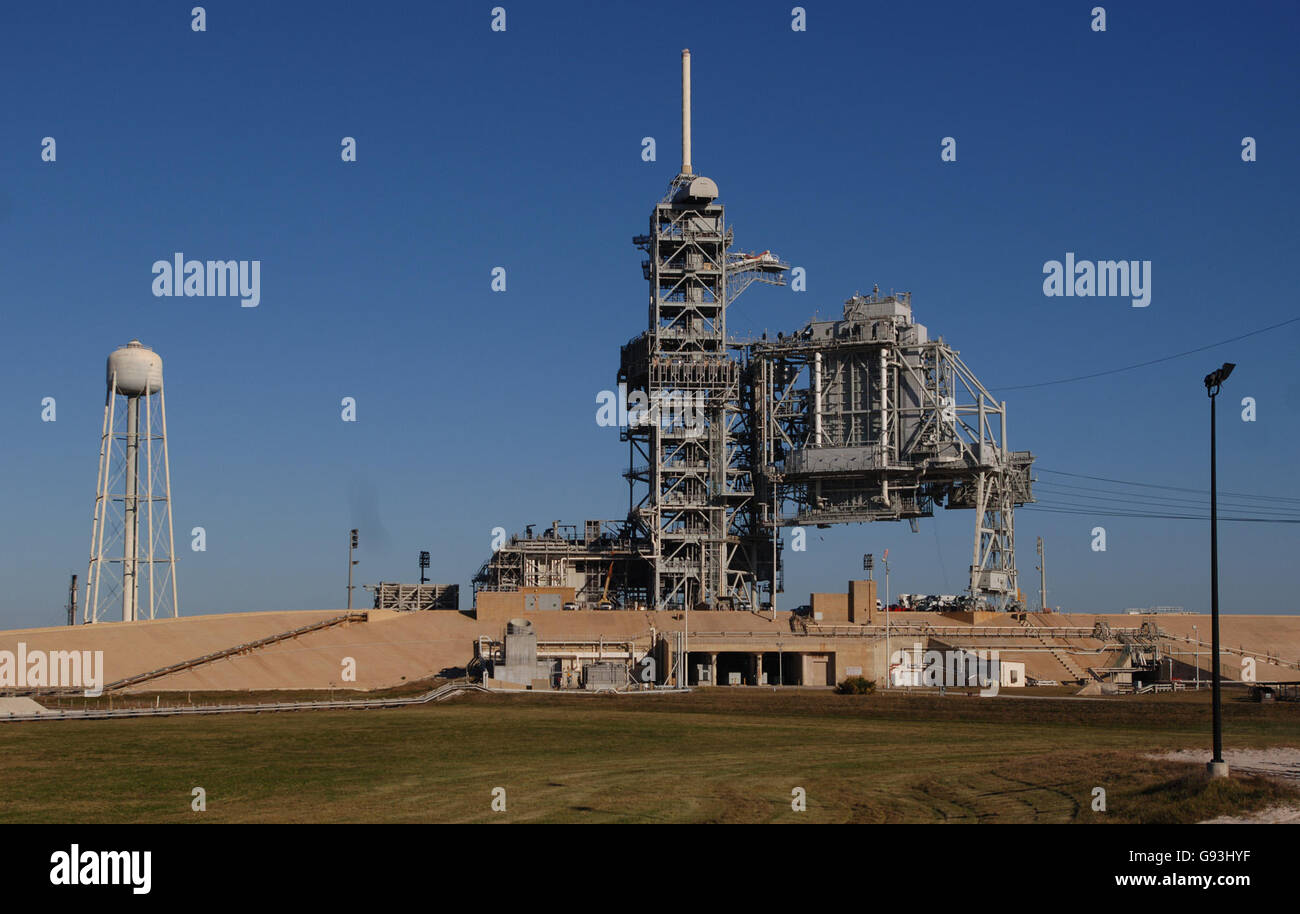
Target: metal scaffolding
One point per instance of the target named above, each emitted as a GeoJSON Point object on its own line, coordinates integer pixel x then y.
{"type": "Point", "coordinates": [691, 474]}
{"type": "Point", "coordinates": [865, 419]}
{"type": "Point", "coordinates": [844, 421]}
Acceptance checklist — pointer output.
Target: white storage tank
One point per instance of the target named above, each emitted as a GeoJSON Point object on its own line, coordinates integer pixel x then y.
{"type": "Point", "coordinates": [138, 369]}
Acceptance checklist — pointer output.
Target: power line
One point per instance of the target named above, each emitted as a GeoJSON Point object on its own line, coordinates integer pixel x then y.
{"type": "Point", "coordinates": [1153, 485]}
{"type": "Point", "coordinates": [1091, 513]}
{"type": "Point", "coordinates": [1167, 358]}
{"type": "Point", "coordinates": [1072, 499]}
{"type": "Point", "coordinates": [1158, 509]}
{"type": "Point", "coordinates": [1137, 500]}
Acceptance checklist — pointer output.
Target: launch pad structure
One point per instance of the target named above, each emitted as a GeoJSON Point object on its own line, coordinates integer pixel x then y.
{"type": "Point", "coordinates": [854, 420]}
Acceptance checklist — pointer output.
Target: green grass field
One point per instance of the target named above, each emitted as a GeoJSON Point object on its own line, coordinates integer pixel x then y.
{"type": "Point", "coordinates": [711, 756]}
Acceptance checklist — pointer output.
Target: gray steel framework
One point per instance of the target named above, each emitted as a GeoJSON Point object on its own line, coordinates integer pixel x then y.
{"type": "Point", "coordinates": [691, 478]}
{"type": "Point", "coordinates": [416, 597]}
{"type": "Point", "coordinates": [132, 552]}
{"type": "Point", "coordinates": [866, 418]}
{"type": "Point", "coordinates": [847, 421]}
{"type": "Point", "coordinates": [600, 563]}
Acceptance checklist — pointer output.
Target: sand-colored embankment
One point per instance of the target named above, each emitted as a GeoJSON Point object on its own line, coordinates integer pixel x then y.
{"type": "Point", "coordinates": [393, 648]}
{"type": "Point", "coordinates": [131, 648]}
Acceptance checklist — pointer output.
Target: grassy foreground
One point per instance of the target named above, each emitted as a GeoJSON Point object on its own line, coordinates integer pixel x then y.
{"type": "Point", "coordinates": [721, 756]}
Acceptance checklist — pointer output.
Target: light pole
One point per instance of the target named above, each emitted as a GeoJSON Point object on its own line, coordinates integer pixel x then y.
{"type": "Point", "coordinates": [888, 661]}
{"type": "Point", "coordinates": [1217, 767]}
{"type": "Point", "coordinates": [352, 545]}
{"type": "Point", "coordinates": [886, 582]}
{"type": "Point", "coordinates": [424, 566]}
{"type": "Point", "coordinates": [1196, 636]}
{"type": "Point", "coordinates": [1042, 577]}
{"type": "Point", "coordinates": [72, 600]}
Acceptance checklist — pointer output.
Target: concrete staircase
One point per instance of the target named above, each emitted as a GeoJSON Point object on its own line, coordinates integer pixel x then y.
{"type": "Point", "coordinates": [1061, 656]}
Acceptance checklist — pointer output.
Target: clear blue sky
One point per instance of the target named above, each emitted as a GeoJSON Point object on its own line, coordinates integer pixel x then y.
{"type": "Point", "coordinates": [479, 149]}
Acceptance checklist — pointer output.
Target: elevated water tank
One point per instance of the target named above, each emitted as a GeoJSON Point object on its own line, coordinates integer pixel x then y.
{"type": "Point", "coordinates": [138, 369]}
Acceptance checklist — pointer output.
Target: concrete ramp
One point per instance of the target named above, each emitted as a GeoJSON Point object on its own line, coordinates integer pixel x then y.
{"type": "Point", "coordinates": [132, 648]}
{"type": "Point", "coordinates": [134, 682]}
{"type": "Point", "coordinates": [388, 650]}
{"type": "Point", "coordinates": [17, 707]}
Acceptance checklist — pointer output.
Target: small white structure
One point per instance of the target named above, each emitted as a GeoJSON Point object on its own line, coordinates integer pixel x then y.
{"type": "Point", "coordinates": [1011, 674]}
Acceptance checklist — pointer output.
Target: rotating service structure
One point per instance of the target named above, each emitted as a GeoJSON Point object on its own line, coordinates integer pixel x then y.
{"type": "Point", "coordinates": [866, 419]}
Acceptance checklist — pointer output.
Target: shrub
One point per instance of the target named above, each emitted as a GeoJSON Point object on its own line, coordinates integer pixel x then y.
{"type": "Point", "coordinates": [856, 685]}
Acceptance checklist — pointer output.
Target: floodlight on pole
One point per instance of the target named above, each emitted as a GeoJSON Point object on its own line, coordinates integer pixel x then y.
{"type": "Point", "coordinates": [352, 545]}
{"type": "Point", "coordinates": [887, 582]}
{"type": "Point", "coordinates": [1217, 767]}
{"type": "Point", "coordinates": [1196, 637]}
{"type": "Point", "coordinates": [1215, 379]}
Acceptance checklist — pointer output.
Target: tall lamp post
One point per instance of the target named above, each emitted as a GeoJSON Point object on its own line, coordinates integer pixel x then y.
{"type": "Point", "coordinates": [1196, 636]}
{"type": "Point", "coordinates": [1217, 767]}
{"type": "Point", "coordinates": [887, 583]}
{"type": "Point", "coordinates": [352, 545]}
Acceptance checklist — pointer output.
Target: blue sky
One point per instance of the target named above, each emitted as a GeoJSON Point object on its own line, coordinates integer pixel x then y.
{"type": "Point", "coordinates": [522, 149]}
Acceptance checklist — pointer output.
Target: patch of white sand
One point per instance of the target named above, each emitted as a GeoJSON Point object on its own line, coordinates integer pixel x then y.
{"type": "Point", "coordinates": [1274, 815]}
{"type": "Point", "coordinates": [1281, 762]}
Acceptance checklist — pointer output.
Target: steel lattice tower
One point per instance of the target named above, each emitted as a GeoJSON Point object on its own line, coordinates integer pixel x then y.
{"type": "Point", "coordinates": [132, 553]}
{"type": "Point", "coordinates": [847, 420]}
{"type": "Point", "coordinates": [692, 482]}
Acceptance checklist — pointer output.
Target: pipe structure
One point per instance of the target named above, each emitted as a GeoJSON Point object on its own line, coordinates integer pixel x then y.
{"type": "Point", "coordinates": [131, 513]}
{"type": "Point", "coordinates": [817, 398]}
{"type": "Point", "coordinates": [686, 111]}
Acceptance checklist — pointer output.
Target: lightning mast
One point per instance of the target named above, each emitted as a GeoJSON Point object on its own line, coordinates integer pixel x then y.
{"type": "Point", "coordinates": [690, 476]}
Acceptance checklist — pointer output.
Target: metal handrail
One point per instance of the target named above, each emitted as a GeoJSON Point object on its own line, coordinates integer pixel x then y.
{"type": "Point", "coordinates": [439, 694]}
{"type": "Point", "coordinates": [237, 649]}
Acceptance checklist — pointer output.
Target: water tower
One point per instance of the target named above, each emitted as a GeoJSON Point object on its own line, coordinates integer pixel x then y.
{"type": "Point", "coordinates": [132, 553]}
